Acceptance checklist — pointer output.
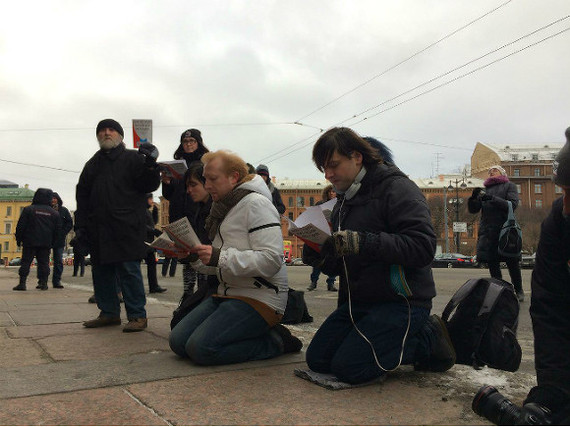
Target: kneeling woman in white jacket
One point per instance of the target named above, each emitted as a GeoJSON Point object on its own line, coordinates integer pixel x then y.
{"type": "Point", "coordinates": [241, 321]}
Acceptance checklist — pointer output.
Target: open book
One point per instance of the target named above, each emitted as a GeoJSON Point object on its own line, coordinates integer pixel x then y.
{"type": "Point", "coordinates": [177, 238]}
{"type": "Point", "coordinates": [313, 226]}
{"type": "Point", "coordinates": [174, 168]}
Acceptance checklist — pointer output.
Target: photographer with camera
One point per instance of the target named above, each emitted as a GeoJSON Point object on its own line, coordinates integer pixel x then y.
{"type": "Point", "coordinates": [492, 202]}
{"type": "Point", "coordinates": [549, 401]}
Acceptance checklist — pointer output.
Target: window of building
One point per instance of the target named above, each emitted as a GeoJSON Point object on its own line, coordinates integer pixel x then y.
{"type": "Point", "coordinates": [291, 202]}
{"type": "Point", "coordinates": [300, 201]}
{"type": "Point", "coordinates": [311, 201]}
{"type": "Point", "coordinates": [515, 157]}
{"type": "Point", "coordinates": [517, 172]}
{"type": "Point", "coordinates": [519, 188]}
{"type": "Point", "coordinates": [8, 228]}
{"type": "Point", "coordinates": [538, 188]}
{"type": "Point", "coordinates": [6, 246]}
{"type": "Point", "coordinates": [538, 203]}
{"type": "Point", "coordinates": [535, 156]}
{"type": "Point", "coordinates": [536, 172]}
{"type": "Point", "coordinates": [291, 216]}
{"type": "Point", "coordinates": [9, 211]}
{"type": "Point", "coordinates": [557, 189]}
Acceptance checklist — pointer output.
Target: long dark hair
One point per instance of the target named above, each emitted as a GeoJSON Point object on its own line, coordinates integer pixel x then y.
{"type": "Point", "coordinates": [200, 151]}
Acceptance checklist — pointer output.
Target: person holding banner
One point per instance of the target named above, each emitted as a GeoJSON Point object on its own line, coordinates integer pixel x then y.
{"type": "Point", "coordinates": [191, 149]}
{"type": "Point", "coordinates": [110, 223]}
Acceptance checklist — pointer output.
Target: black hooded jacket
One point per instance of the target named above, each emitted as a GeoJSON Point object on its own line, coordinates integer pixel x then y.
{"type": "Point", "coordinates": [111, 200]}
{"type": "Point", "coordinates": [66, 222]}
{"type": "Point", "coordinates": [394, 223]}
{"type": "Point", "coordinates": [180, 203]}
{"type": "Point", "coordinates": [39, 224]}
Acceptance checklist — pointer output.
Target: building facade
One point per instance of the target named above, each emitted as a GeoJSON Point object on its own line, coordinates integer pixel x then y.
{"type": "Point", "coordinates": [13, 200]}
{"type": "Point", "coordinates": [529, 167]}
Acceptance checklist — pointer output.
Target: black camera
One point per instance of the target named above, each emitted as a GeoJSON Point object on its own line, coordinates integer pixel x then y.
{"type": "Point", "coordinates": [491, 404]}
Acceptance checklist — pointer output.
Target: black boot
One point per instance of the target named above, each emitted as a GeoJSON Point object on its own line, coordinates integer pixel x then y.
{"type": "Point", "coordinates": [57, 285]}
{"type": "Point", "coordinates": [42, 285]}
{"type": "Point", "coordinates": [157, 290]}
{"type": "Point", "coordinates": [21, 286]}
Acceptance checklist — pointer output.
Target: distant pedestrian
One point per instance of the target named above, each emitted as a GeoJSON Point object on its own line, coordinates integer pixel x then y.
{"type": "Point", "coordinates": [263, 171]}
{"type": "Point", "coordinates": [78, 264]}
{"type": "Point", "coordinates": [169, 266]}
{"type": "Point", "coordinates": [110, 223]}
{"type": "Point", "coordinates": [37, 231]}
{"type": "Point", "coordinates": [492, 202]}
{"type": "Point", "coordinates": [66, 226]}
{"type": "Point", "coordinates": [328, 194]}
{"type": "Point", "coordinates": [150, 259]}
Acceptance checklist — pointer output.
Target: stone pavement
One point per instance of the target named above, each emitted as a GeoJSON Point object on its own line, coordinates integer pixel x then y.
{"type": "Point", "coordinates": [56, 372]}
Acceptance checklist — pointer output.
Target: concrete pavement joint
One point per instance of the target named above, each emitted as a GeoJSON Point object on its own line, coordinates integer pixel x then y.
{"type": "Point", "coordinates": [144, 405]}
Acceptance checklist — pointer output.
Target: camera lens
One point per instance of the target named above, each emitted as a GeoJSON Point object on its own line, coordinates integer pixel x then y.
{"type": "Point", "coordinates": [491, 404]}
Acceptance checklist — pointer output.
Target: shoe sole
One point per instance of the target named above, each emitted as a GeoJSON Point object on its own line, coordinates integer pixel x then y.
{"type": "Point", "coordinates": [114, 323]}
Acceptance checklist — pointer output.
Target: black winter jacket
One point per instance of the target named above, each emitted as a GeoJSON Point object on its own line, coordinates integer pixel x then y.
{"type": "Point", "coordinates": [550, 301]}
{"type": "Point", "coordinates": [276, 198]}
{"type": "Point", "coordinates": [111, 200]}
{"type": "Point", "coordinates": [66, 222]}
{"type": "Point", "coordinates": [394, 222]}
{"type": "Point", "coordinates": [39, 224]}
{"type": "Point", "coordinates": [493, 215]}
{"type": "Point", "coordinates": [180, 203]}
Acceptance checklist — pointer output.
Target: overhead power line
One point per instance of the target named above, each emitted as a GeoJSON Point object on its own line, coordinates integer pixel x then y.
{"type": "Point", "coordinates": [38, 166]}
{"type": "Point", "coordinates": [403, 61]}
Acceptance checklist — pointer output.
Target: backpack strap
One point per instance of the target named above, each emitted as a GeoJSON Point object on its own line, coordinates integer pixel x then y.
{"type": "Point", "coordinates": [494, 291]}
{"type": "Point", "coordinates": [459, 296]}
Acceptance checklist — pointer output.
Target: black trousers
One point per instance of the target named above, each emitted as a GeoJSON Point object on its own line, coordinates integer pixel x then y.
{"type": "Point", "coordinates": [42, 257]}
{"type": "Point", "coordinates": [150, 260]}
{"type": "Point", "coordinates": [514, 270]}
{"type": "Point", "coordinates": [172, 262]}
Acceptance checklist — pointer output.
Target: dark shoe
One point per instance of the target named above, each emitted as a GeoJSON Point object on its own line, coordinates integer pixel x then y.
{"type": "Point", "coordinates": [20, 287]}
{"type": "Point", "coordinates": [442, 355]}
{"type": "Point", "coordinates": [157, 290]}
{"type": "Point", "coordinates": [332, 289]}
{"type": "Point", "coordinates": [291, 344]}
{"type": "Point", "coordinates": [102, 321]}
{"type": "Point", "coordinates": [42, 286]}
{"type": "Point", "coordinates": [74, 275]}
{"type": "Point", "coordinates": [312, 287]}
{"type": "Point", "coordinates": [135, 325]}
{"type": "Point", "coordinates": [58, 286]}
{"type": "Point", "coordinates": [92, 300]}
{"type": "Point", "coordinates": [520, 295]}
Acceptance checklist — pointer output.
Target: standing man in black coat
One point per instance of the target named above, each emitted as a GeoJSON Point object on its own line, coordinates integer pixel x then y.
{"type": "Point", "coordinates": [550, 301]}
{"type": "Point", "coordinates": [263, 171]}
{"type": "Point", "coordinates": [150, 258]}
{"type": "Point", "coordinates": [37, 231]}
{"type": "Point", "coordinates": [66, 226]}
{"type": "Point", "coordinates": [494, 207]}
{"type": "Point", "coordinates": [111, 223]}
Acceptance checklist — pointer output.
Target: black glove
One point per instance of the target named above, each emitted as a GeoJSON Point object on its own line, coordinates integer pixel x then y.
{"type": "Point", "coordinates": [486, 197]}
{"type": "Point", "coordinates": [476, 192]}
{"type": "Point", "coordinates": [150, 152]}
{"type": "Point", "coordinates": [81, 244]}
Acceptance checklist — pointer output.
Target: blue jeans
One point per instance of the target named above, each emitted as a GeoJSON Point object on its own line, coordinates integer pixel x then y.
{"type": "Point", "coordinates": [315, 277]}
{"type": "Point", "coordinates": [221, 331]}
{"type": "Point", "coordinates": [57, 265]}
{"type": "Point", "coordinates": [338, 349]}
{"type": "Point", "coordinates": [126, 276]}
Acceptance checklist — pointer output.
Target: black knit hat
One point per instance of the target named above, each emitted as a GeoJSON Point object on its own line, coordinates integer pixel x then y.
{"type": "Point", "coordinates": [111, 124]}
{"type": "Point", "coordinates": [561, 165]}
{"type": "Point", "coordinates": [262, 170]}
{"type": "Point", "coordinates": [193, 133]}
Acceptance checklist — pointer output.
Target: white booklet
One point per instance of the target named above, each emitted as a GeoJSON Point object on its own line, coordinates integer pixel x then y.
{"type": "Point", "coordinates": [312, 225]}
{"type": "Point", "coordinates": [177, 238]}
{"type": "Point", "coordinates": [174, 168]}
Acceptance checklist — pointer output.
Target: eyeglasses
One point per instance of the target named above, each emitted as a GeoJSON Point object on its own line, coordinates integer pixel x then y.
{"type": "Point", "coordinates": [190, 141]}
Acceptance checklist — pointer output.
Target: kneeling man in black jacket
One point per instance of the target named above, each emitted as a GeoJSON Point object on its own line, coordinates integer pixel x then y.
{"type": "Point", "coordinates": [382, 247]}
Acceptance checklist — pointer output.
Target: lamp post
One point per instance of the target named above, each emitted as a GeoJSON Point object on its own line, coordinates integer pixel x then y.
{"type": "Point", "coordinates": [446, 230]}
{"type": "Point", "coordinates": [456, 205]}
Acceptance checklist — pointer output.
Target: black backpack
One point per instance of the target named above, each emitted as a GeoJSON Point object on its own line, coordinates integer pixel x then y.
{"type": "Point", "coordinates": [296, 311]}
{"type": "Point", "coordinates": [510, 236]}
{"type": "Point", "coordinates": [483, 327]}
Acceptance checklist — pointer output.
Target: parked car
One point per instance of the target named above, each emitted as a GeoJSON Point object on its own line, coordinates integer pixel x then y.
{"type": "Point", "coordinates": [452, 260]}
{"type": "Point", "coordinates": [528, 260]}
{"type": "Point", "coordinates": [15, 261]}
{"type": "Point", "coordinates": [296, 261]}
{"type": "Point", "coordinates": [88, 260]}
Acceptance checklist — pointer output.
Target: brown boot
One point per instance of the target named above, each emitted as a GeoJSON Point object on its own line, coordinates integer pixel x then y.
{"type": "Point", "coordinates": [102, 321]}
{"type": "Point", "coordinates": [135, 325]}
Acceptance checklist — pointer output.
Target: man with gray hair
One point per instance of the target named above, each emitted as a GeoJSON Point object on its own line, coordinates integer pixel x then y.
{"type": "Point", "coordinates": [110, 223]}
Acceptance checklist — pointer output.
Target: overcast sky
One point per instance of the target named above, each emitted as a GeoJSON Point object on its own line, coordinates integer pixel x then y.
{"type": "Point", "coordinates": [244, 71]}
